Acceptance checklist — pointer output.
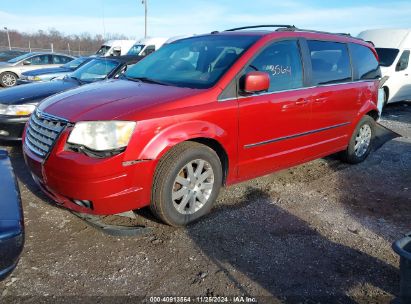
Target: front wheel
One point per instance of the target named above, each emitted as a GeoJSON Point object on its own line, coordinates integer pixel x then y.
{"type": "Point", "coordinates": [186, 184]}
{"type": "Point", "coordinates": [361, 141]}
{"type": "Point", "coordinates": [8, 79]}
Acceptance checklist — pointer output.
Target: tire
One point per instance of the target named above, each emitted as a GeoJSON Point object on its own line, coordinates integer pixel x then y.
{"type": "Point", "coordinates": [8, 79]}
{"type": "Point", "coordinates": [385, 97]}
{"type": "Point", "coordinates": [176, 199]}
{"type": "Point", "coordinates": [361, 141]}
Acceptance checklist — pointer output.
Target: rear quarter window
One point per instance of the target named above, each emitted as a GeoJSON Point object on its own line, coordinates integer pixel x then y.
{"type": "Point", "coordinates": [330, 62]}
{"type": "Point", "coordinates": [365, 63]}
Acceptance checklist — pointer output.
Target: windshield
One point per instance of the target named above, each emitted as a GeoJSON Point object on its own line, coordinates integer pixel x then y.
{"type": "Point", "coordinates": [103, 50]}
{"type": "Point", "coordinates": [387, 56]}
{"type": "Point", "coordinates": [95, 70]}
{"type": "Point", "coordinates": [19, 58]}
{"type": "Point", "coordinates": [196, 62]}
{"type": "Point", "coordinates": [75, 63]}
{"type": "Point", "coordinates": [136, 49]}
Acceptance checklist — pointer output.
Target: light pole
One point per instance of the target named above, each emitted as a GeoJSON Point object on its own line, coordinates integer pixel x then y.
{"type": "Point", "coordinates": [8, 37]}
{"type": "Point", "coordinates": [145, 17]}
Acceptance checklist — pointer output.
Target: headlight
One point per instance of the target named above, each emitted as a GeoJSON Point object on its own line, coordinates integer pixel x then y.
{"type": "Point", "coordinates": [102, 135]}
{"type": "Point", "coordinates": [34, 78]}
{"type": "Point", "coordinates": [17, 110]}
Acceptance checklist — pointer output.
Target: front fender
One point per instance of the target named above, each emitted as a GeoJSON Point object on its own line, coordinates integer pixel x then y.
{"type": "Point", "coordinates": [180, 132]}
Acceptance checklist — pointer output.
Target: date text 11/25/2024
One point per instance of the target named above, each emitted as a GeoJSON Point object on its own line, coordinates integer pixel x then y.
{"type": "Point", "coordinates": [201, 299]}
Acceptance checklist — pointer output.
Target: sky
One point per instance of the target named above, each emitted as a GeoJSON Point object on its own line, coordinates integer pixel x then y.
{"type": "Point", "coordinates": [168, 18]}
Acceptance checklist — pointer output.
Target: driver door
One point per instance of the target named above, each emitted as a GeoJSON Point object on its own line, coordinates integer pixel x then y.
{"type": "Point", "coordinates": [274, 126]}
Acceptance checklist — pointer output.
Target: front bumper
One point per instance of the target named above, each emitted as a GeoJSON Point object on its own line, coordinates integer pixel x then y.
{"type": "Point", "coordinates": [11, 128]}
{"type": "Point", "coordinates": [108, 184]}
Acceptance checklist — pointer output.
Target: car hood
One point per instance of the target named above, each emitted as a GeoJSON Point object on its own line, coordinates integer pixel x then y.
{"type": "Point", "coordinates": [47, 71]}
{"type": "Point", "coordinates": [111, 99]}
{"type": "Point", "coordinates": [34, 92]}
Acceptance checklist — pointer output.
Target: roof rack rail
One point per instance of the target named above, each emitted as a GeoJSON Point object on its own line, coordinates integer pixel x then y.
{"type": "Point", "coordinates": [284, 27]}
{"type": "Point", "coordinates": [289, 27]}
{"type": "Point", "coordinates": [324, 32]}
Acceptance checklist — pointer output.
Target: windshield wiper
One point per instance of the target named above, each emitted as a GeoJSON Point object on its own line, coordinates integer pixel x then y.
{"type": "Point", "coordinates": [148, 80]}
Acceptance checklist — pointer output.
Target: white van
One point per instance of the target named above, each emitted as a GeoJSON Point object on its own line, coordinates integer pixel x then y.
{"type": "Point", "coordinates": [115, 48]}
{"type": "Point", "coordinates": [146, 46]}
{"type": "Point", "coordinates": [393, 47]}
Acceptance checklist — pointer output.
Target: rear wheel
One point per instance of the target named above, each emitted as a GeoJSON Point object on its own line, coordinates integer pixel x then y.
{"type": "Point", "coordinates": [186, 184]}
{"type": "Point", "coordinates": [8, 79]}
{"type": "Point", "coordinates": [361, 141]}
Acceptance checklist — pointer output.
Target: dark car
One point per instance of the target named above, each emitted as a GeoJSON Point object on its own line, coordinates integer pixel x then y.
{"type": "Point", "coordinates": [11, 218]}
{"type": "Point", "coordinates": [48, 74]}
{"type": "Point", "coordinates": [7, 55]}
{"type": "Point", "coordinates": [17, 104]}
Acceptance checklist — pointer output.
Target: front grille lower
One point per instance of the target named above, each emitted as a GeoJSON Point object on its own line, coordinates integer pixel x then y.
{"type": "Point", "coordinates": [42, 132]}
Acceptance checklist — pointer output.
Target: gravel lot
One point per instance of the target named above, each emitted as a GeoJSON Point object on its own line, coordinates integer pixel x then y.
{"type": "Point", "coordinates": [317, 233]}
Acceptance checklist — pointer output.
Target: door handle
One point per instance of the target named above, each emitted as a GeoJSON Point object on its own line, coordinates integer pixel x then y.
{"type": "Point", "coordinates": [301, 102]}
{"type": "Point", "coordinates": [320, 99]}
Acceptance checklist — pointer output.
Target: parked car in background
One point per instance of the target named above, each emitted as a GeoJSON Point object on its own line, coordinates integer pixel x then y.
{"type": "Point", "coordinates": [11, 70]}
{"type": "Point", "coordinates": [393, 47]}
{"type": "Point", "coordinates": [115, 48]}
{"type": "Point", "coordinates": [7, 55]}
{"type": "Point", "coordinates": [11, 218]}
{"type": "Point", "coordinates": [52, 73]}
{"type": "Point", "coordinates": [17, 104]}
{"type": "Point", "coordinates": [144, 47]}
{"type": "Point", "coordinates": [203, 112]}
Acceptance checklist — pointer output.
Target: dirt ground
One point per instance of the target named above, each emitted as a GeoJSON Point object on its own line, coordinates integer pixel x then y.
{"type": "Point", "coordinates": [317, 233]}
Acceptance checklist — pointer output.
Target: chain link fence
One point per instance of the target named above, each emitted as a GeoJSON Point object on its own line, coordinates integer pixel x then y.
{"type": "Point", "coordinates": [68, 52]}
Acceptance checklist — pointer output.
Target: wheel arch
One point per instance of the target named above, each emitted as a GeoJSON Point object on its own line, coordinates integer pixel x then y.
{"type": "Point", "coordinates": [10, 72]}
{"type": "Point", "coordinates": [219, 149]}
{"type": "Point", "coordinates": [202, 132]}
{"type": "Point", "coordinates": [374, 114]}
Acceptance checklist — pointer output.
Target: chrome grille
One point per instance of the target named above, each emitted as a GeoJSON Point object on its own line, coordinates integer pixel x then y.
{"type": "Point", "coordinates": [42, 132]}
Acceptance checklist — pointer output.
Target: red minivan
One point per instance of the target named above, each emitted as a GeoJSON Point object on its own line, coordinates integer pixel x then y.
{"type": "Point", "coordinates": [204, 112]}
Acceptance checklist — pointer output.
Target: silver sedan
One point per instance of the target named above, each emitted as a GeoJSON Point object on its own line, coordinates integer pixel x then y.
{"type": "Point", "coordinates": [11, 70]}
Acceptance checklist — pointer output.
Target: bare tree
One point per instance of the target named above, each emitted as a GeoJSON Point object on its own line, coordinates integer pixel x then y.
{"type": "Point", "coordinates": [78, 44]}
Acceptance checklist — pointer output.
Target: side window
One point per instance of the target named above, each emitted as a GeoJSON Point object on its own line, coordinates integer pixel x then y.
{"type": "Point", "coordinates": [61, 59]}
{"type": "Point", "coordinates": [330, 62]}
{"type": "Point", "coordinates": [282, 61]}
{"type": "Point", "coordinates": [149, 49]}
{"type": "Point", "coordinates": [403, 61]}
{"type": "Point", "coordinates": [39, 60]}
{"type": "Point", "coordinates": [365, 63]}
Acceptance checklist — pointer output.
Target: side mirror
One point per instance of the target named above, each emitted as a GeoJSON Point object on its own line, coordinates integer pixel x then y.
{"type": "Point", "coordinates": [26, 62]}
{"type": "Point", "coordinates": [255, 82]}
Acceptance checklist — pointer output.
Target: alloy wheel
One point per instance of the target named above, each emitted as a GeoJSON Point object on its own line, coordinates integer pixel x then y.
{"type": "Point", "coordinates": [9, 80]}
{"type": "Point", "coordinates": [193, 186]}
{"type": "Point", "coordinates": [363, 140]}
